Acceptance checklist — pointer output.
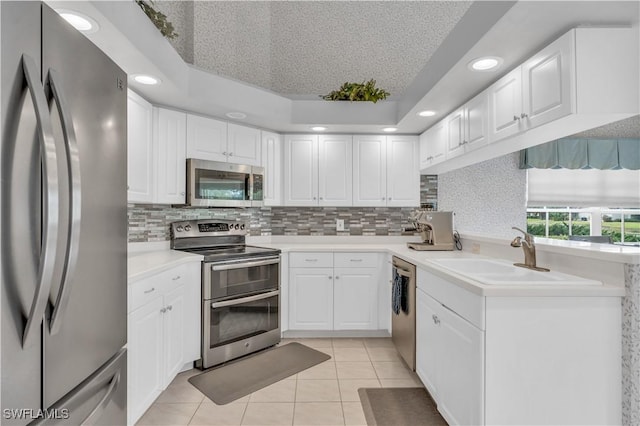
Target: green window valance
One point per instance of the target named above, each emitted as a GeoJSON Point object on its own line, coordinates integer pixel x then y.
{"type": "Point", "coordinates": [569, 153]}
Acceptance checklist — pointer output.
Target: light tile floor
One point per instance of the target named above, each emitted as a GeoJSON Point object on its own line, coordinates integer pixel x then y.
{"type": "Point", "coordinates": [326, 394]}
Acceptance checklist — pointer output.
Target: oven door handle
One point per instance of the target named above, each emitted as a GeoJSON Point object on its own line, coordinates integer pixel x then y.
{"type": "Point", "coordinates": [242, 265]}
{"type": "Point", "coordinates": [242, 300]}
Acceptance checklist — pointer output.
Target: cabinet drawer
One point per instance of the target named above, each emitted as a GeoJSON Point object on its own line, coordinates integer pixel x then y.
{"type": "Point", "coordinates": [311, 260]}
{"type": "Point", "coordinates": [356, 260]}
{"type": "Point", "coordinates": [464, 303]}
{"type": "Point", "coordinates": [144, 291]}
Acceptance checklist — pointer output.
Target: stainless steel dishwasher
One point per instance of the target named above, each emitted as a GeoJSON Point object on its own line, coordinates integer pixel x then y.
{"type": "Point", "coordinates": [403, 320]}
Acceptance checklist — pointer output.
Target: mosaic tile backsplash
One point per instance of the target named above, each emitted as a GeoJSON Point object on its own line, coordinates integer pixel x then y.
{"type": "Point", "coordinates": [151, 222]}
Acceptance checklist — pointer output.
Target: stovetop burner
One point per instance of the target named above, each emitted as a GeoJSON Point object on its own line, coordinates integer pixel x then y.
{"type": "Point", "coordinates": [216, 240]}
{"type": "Point", "coordinates": [212, 254]}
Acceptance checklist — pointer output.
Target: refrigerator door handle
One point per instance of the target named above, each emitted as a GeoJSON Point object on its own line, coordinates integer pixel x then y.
{"type": "Point", "coordinates": [50, 200]}
{"type": "Point", "coordinates": [108, 376]}
{"type": "Point", "coordinates": [97, 412]}
{"type": "Point", "coordinates": [75, 200]}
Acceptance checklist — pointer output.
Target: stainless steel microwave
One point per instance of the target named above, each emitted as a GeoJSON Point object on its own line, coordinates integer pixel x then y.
{"type": "Point", "coordinates": [217, 184]}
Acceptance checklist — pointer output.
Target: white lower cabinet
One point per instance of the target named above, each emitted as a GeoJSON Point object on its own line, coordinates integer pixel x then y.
{"type": "Point", "coordinates": [311, 298]}
{"type": "Point", "coordinates": [327, 292]}
{"type": "Point", "coordinates": [518, 359]}
{"type": "Point", "coordinates": [355, 299]}
{"type": "Point", "coordinates": [451, 366]}
{"type": "Point", "coordinates": [164, 333]}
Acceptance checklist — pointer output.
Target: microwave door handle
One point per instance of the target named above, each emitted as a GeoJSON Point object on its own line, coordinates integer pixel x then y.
{"type": "Point", "coordinates": [250, 186]}
{"type": "Point", "coordinates": [216, 305]}
{"type": "Point", "coordinates": [50, 200]}
{"type": "Point", "coordinates": [75, 200]}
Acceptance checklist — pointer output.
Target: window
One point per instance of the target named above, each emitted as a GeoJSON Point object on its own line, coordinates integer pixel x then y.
{"type": "Point", "coordinates": [622, 225]}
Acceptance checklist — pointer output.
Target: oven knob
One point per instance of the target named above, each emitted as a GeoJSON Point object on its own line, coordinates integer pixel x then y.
{"type": "Point", "coordinates": [242, 226]}
{"type": "Point", "coordinates": [179, 229]}
{"type": "Point", "coordinates": [187, 228]}
{"type": "Point", "coordinates": [237, 226]}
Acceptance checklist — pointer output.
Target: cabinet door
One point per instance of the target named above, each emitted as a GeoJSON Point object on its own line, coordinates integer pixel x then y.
{"type": "Point", "coordinates": [476, 122]}
{"type": "Point", "coordinates": [428, 341]}
{"type": "Point", "coordinates": [433, 145]}
{"type": "Point", "coordinates": [461, 365]}
{"type": "Point", "coordinates": [355, 299]}
{"type": "Point", "coordinates": [272, 163]}
{"type": "Point", "coordinates": [243, 145]}
{"type": "Point", "coordinates": [311, 298]}
{"type": "Point", "coordinates": [335, 168]}
{"type": "Point", "coordinates": [369, 170]}
{"type": "Point", "coordinates": [301, 170]}
{"type": "Point", "coordinates": [455, 133]}
{"type": "Point", "coordinates": [173, 333]}
{"type": "Point", "coordinates": [549, 81]}
{"type": "Point", "coordinates": [139, 149]}
{"type": "Point", "coordinates": [403, 176]}
{"type": "Point", "coordinates": [144, 358]}
{"type": "Point", "coordinates": [206, 138]}
{"type": "Point", "coordinates": [505, 105]}
{"type": "Point", "coordinates": [170, 134]}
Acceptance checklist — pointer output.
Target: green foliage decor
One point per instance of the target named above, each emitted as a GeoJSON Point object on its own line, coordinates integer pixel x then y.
{"type": "Point", "coordinates": [159, 19]}
{"type": "Point", "coordinates": [357, 92]}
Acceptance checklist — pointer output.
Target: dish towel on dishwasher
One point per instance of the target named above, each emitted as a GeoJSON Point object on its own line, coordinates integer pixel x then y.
{"type": "Point", "coordinates": [396, 292]}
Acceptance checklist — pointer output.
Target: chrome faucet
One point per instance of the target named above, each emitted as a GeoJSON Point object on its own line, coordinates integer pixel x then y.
{"type": "Point", "coordinates": [529, 248]}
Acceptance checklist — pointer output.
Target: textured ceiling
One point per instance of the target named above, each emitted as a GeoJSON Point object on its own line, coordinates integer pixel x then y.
{"type": "Point", "coordinates": [308, 48]}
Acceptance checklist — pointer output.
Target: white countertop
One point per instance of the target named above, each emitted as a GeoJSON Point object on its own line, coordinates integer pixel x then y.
{"type": "Point", "coordinates": [146, 263]}
{"type": "Point", "coordinates": [143, 264]}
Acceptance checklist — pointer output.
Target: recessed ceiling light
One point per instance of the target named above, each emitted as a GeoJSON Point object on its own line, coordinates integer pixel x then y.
{"type": "Point", "coordinates": [236, 115]}
{"type": "Point", "coordinates": [79, 21]}
{"type": "Point", "coordinates": [145, 79]}
{"type": "Point", "coordinates": [427, 113]}
{"type": "Point", "coordinates": [486, 63]}
{"type": "Point", "coordinates": [389, 129]}
{"type": "Point", "coordinates": [318, 128]}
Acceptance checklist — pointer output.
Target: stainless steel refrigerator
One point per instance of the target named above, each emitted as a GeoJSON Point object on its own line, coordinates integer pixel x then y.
{"type": "Point", "coordinates": [63, 224]}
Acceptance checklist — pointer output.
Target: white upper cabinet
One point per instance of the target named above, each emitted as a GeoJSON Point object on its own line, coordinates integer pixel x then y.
{"type": "Point", "coordinates": [272, 163]}
{"type": "Point", "coordinates": [403, 176]}
{"type": "Point", "coordinates": [170, 156]}
{"type": "Point", "coordinates": [476, 123]}
{"type": "Point", "coordinates": [369, 170]}
{"type": "Point", "coordinates": [455, 133]}
{"type": "Point", "coordinates": [139, 149]}
{"type": "Point", "coordinates": [385, 171]}
{"type": "Point", "coordinates": [539, 91]}
{"type": "Point", "coordinates": [433, 145]}
{"type": "Point", "coordinates": [215, 140]}
{"type": "Point", "coordinates": [206, 138]}
{"type": "Point", "coordinates": [547, 81]}
{"type": "Point", "coordinates": [301, 170]}
{"type": "Point", "coordinates": [505, 104]}
{"type": "Point", "coordinates": [335, 155]}
{"type": "Point", "coordinates": [243, 146]}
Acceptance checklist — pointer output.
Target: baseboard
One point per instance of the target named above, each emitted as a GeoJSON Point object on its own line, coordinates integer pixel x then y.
{"type": "Point", "coordinates": [300, 334]}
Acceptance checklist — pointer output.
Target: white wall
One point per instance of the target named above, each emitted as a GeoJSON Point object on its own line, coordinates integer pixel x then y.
{"type": "Point", "coordinates": [487, 198]}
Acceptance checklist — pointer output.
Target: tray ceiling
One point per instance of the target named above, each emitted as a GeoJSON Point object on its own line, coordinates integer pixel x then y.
{"type": "Point", "coordinates": [303, 49]}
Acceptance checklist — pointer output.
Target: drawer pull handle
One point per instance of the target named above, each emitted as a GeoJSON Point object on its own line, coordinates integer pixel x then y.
{"type": "Point", "coordinates": [163, 310]}
{"type": "Point", "coordinates": [311, 260]}
{"type": "Point", "coordinates": [169, 307]}
{"type": "Point", "coordinates": [177, 277]}
{"type": "Point", "coordinates": [356, 260]}
{"type": "Point", "coordinates": [151, 290]}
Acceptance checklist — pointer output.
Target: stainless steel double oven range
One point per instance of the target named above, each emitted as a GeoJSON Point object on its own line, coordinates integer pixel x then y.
{"type": "Point", "coordinates": [240, 288]}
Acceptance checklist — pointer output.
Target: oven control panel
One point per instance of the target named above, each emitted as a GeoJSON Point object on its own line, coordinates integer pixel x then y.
{"type": "Point", "coordinates": [207, 227]}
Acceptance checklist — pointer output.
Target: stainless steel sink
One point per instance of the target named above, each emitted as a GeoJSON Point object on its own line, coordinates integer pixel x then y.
{"type": "Point", "coordinates": [502, 272]}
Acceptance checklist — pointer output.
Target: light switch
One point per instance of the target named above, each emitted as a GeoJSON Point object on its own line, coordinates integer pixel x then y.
{"type": "Point", "coordinates": [339, 224]}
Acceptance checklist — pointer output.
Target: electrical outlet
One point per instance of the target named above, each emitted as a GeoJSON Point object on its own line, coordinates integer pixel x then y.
{"type": "Point", "coordinates": [339, 224]}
